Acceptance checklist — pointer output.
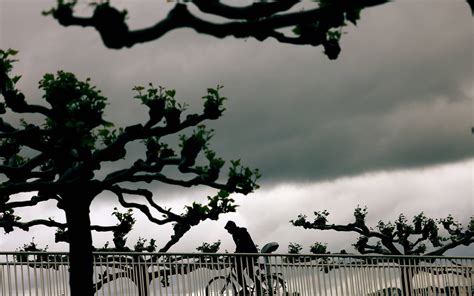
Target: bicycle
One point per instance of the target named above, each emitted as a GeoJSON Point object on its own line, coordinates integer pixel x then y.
{"type": "Point", "coordinates": [229, 284]}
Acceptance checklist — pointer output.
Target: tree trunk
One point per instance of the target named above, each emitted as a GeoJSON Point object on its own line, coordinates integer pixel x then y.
{"type": "Point", "coordinates": [80, 247]}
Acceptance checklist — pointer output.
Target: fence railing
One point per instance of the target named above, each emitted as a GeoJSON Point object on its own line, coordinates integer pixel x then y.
{"type": "Point", "coordinates": [153, 274]}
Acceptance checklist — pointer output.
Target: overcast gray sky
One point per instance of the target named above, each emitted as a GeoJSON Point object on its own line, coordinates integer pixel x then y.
{"type": "Point", "coordinates": [386, 125]}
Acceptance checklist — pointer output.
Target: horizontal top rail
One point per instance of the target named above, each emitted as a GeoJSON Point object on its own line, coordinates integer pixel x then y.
{"type": "Point", "coordinates": [160, 254]}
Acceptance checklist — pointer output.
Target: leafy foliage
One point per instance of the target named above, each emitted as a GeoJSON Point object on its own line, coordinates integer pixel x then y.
{"type": "Point", "coordinates": [420, 236]}
{"type": "Point", "coordinates": [318, 248]}
{"type": "Point", "coordinates": [294, 248]}
{"type": "Point", "coordinates": [62, 160]}
{"type": "Point", "coordinates": [209, 247]}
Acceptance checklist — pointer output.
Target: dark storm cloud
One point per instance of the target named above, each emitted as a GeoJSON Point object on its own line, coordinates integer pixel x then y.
{"type": "Point", "coordinates": [399, 96]}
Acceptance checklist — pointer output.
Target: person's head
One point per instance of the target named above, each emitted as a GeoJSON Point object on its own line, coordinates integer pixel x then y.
{"type": "Point", "coordinates": [230, 226]}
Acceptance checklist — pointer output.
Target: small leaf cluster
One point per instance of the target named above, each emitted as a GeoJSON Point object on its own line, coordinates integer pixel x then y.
{"type": "Point", "coordinates": [77, 104]}
{"type": "Point", "coordinates": [64, 7]}
{"type": "Point", "coordinates": [41, 258]}
{"type": "Point", "coordinates": [359, 215]}
{"type": "Point", "coordinates": [161, 103]}
{"type": "Point", "coordinates": [191, 146]}
{"type": "Point", "coordinates": [318, 248]}
{"type": "Point", "coordinates": [7, 218]}
{"type": "Point", "coordinates": [13, 99]}
{"type": "Point", "coordinates": [76, 123]}
{"type": "Point", "coordinates": [6, 66]}
{"type": "Point", "coordinates": [140, 245]}
{"type": "Point", "coordinates": [156, 150]}
{"type": "Point", "coordinates": [210, 172]}
{"type": "Point", "coordinates": [32, 247]}
{"type": "Point", "coordinates": [218, 204]}
{"type": "Point", "coordinates": [294, 248]}
{"type": "Point", "coordinates": [209, 247]}
{"type": "Point", "coordinates": [125, 225]}
{"type": "Point", "coordinates": [107, 136]}
{"type": "Point", "coordinates": [214, 102]}
{"type": "Point", "coordinates": [319, 221]}
{"type": "Point", "coordinates": [242, 178]}
{"type": "Point", "coordinates": [456, 230]}
{"type": "Point", "coordinates": [328, 28]}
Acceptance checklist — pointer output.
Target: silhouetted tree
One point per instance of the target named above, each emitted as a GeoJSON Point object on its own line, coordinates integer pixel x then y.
{"type": "Point", "coordinates": [314, 26]}
{"type": "Point", "coordinates": [65, 159]}
{"type": "Point", "coordinates": [421, 237]}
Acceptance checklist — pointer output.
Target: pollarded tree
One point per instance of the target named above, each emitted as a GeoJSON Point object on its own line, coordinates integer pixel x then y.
{"type": "Point", "coordinates": [65, 159]}
{"type": "Point", "coordinates": [422, 237]}
{"type": "Point", "coordinates": [315, 26]}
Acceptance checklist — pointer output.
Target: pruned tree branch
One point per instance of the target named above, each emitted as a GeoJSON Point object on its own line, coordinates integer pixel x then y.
{"type": "Point", "coordinates": [149, 197]}
{"type": "Point", "coordinates": [26, 225]}
{"type": "Point", "coordinates": [400, 237]}
{"type": "Point", "coordinates": [466, 241]}
{"type": "Point", "coordinates": [14, 188]}
{"type": "Point", "coordinates": [253, 11]}
{"type": "Point", "coordinates": [259, 20]}
{"type": "Point", "coordinates": [144, 209]}
{"type": "Point", "coordinates": [28, 203]}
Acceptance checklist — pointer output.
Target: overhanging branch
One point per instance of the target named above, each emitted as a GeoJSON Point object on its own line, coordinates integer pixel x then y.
{"type": "Point", "coordinates": [259, 20]}
{"type": "Point", "coordinates": [253, 11]}
{"type": "Point", "coordinates": [26, 225]}
{"type": "Point", "coordinates": [143, 208]}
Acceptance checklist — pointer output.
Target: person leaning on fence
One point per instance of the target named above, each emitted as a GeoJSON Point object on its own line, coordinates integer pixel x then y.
{"type": "Point", "coordinates": [244, 244]}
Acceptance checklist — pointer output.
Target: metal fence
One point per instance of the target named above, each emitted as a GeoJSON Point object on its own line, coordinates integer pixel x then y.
{"type": "Point", "coordinates": [150, 274]}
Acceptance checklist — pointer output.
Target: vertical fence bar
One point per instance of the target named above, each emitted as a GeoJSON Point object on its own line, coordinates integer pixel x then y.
{"type": "Point", "coordinates": [199, 285]}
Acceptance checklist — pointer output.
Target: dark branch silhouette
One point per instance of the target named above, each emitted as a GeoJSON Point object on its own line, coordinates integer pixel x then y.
{"type": "Point", "coordinates": [313, 26]}
{"type": "Point", "coordinates": [422, 237]}
{"type": "Point", "coordinates": [399, 237]}
{"type": "Point", "coordinates": [261, 20]}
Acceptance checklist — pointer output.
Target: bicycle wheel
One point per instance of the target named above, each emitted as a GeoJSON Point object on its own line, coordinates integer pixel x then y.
{"type": "Point", "coordinates": [220, 285]}
{"type": "Point", "coordinates": [278, 286]}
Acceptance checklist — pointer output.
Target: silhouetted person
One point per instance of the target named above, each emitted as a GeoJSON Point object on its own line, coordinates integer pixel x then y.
{"type": "Point", "coordinates": [244, 244]}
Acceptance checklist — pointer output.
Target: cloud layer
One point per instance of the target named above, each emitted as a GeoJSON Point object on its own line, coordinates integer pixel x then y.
{"type": "Point", "coordinates": [398, 97]}
{"type": "Point", "coordinates": [437, 191]}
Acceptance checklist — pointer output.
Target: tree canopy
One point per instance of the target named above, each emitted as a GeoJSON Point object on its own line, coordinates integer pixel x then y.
{"type": "Point", "coordinates": [64, 159]}
{"type": "Point", "coordinates": [423, 236]}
